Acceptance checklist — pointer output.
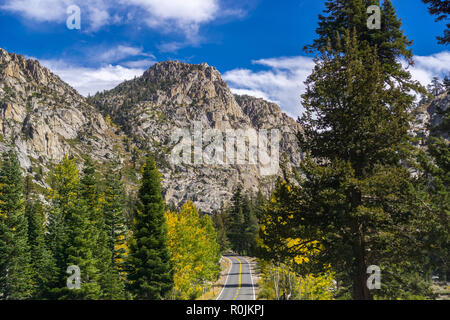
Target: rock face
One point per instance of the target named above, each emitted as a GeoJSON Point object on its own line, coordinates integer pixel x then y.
{"type": "Point", "coordinates": [45, 119]}
{"type": "Point", "coordinates": [432, 119]}
{"type": "Point", "coordinates": [173, 96]}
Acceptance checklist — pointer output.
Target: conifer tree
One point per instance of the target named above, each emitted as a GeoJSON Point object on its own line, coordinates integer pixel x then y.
{"type": "Point", "coordinates": [15, 260]}
{"type": "Point", "coordinates": [355, 196]}
{"type": "Point", "coordinates": [41, 260]}
{"type": "Point", "coordinates": [113, 210]}
{"type": "Point", "coordinates": [221, 224]}
{"type": "Point", "coordinates": [447, 83]}
{"type": "Point", "coordinates": [392, 45]}
{"type": "Point", "coordinates": [237, 221]}
{"type": "Point", "coordinates": [150, 273]}
{"type": "Point", "coordinates": [89, 189]}
{"type": "Point", "coordinates": [243, 223]}
{"type": "Point", "coordinates": [72, 234]}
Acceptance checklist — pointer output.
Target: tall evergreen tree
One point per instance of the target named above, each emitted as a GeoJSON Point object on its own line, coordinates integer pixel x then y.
{"type": "Point", "coordinates": [150, 273]}
{"type": "Point", "coordinates": [391, 43]}
{"type": "Point", "coordinates": [356, 198]}
{"type": "Point", "coordinates": [15, 260]}
{"type": "Point", "coordinates": [243, 223]}
{"type": "Point", "coordinates": [237, 221]}
{"type": "Point", "coordinates": [72, 233]}
{"type": "Point", "coordinates": [114, 213]}
{"type": "Point", "coordinates": [41, 259]}
{"type": "Point", "coordinates": [89, 189]}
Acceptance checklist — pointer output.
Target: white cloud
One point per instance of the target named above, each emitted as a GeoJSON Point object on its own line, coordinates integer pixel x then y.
{"type": "Point", "coordinates": [185, 16]}
{"type": "Point", "coordinates": [427, 67]}
{"type": "Point", "coordinates": [43, 10]}
{"type": "Point", "coordinates": [181, 11]}
{"type": "Point", "coordinates": [144, 63]}
{"type": "Point", "coordinates": [95, 12]}
{"type": "Point", "coordinates": [91, 80]}
{"type": "Point", "coordinates": [283, 81]}
{"type": "Point", "coordinates": [119, 53]}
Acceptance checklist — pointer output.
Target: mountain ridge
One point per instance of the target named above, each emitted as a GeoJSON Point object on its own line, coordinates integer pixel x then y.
{"type": "Point", "coordinates": [44, 118]}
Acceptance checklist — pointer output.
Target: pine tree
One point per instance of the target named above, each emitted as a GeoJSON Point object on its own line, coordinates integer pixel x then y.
{"type": "Point", "coordinates": [435, 184]}
{"type": "Point", "coordinates": [89, 189]}
{"type": "Point", "coordinates": [250, 227]}
{"type": "Point", "coordinates": [356, 198]}
{"type": "Point", "coordinates": [221, 224]}
{"type": "Point", "coordinates": [237, 222]}
{"type": "Point", "coordinates": [72, 234]}
{"type": "Point", "coordinates": [41, 260]}
{"type": "Point", "coordinates": [150, 273]}
{"type": "Point", "coordinates": [447, 83]}
{"type": "Point", "coordinates": [436, 88]}
{"type": "Point", "coordinates": [15, 259]}
{"type": "Point", "coordinates": [392, 45]}
{"type": "Point", "coordinates": [440, 8]}
{"type": "Point", "coordinates": [113, 209]}
{"type": "Point", "coordinates": [243, 223]}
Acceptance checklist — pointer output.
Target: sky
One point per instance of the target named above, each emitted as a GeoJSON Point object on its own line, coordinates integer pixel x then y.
{"type": "Point", "coordinates": [255, 44]}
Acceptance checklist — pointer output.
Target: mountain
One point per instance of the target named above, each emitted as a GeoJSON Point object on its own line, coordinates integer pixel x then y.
{"type": "Point", "coordinates": [45, 119]}
{"type": "Point", "coordinates": [173, 96]}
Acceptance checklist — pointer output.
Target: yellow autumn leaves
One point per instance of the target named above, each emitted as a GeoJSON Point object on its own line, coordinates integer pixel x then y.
{"type": "Point", "coordinates": [194, 250]}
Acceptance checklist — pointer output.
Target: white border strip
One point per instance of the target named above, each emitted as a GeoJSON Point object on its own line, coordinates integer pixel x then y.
{"type": "Point", "coordinates": [226, 280]}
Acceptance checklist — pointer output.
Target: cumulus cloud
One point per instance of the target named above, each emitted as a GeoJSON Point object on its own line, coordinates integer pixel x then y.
{"type": "Point", "coordinates": [427, 67]}
{"type": "Point", "coordinates": [92, 80]}
{"type": "Point", "coordinates": [283, 81]}
{"type": "Point", "coordinates": [185, 16]}
{"type": "Point", "coordinates": [94, 14]}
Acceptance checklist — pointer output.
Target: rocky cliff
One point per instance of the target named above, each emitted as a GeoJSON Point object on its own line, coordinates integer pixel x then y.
{"type": "Point", "coordinates": [432, 119]}
{"type": "Point", "coordinates": [45, 119]}
{"type": "Point", "coordinates": [174, 96]}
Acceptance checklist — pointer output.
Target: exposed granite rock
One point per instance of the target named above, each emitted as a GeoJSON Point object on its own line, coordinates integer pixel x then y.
{"type": "Point", "coordinates": [432, 119]}
{"type": "Point", "coordinates": [172, 95]}
{"type": "Point", "coordinates": [45, 119]}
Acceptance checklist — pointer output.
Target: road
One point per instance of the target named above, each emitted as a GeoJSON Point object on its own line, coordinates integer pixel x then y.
{"type": "Point", "coordinates": [239, 283]}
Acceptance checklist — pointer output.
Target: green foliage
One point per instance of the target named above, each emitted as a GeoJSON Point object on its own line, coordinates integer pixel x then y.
{"type": "Point", "coordinates": [42, 263]}
{"type": "Point", "coordinates": [243, 224]}
{"type": "Point", "coordinates": [15, 259]}
{"type": "Point", "coordinates": [280, 282]}
{"type": "Point", "coordinates": [354, 203]}
{"type": "Point", "coordinates": [150, 272]}
{"type": "Point", "coordinates": [435, 193]}
{"type": "Point", "coordinates": [73, 233]}
{"type": "Point", "coordinates": [115, 223]}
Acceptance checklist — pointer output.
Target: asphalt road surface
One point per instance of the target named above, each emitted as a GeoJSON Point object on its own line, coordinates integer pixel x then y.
{"type": "Point", "coordinates": [239, 283]}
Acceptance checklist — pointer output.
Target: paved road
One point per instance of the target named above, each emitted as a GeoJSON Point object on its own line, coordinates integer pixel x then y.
{"type": "Point", "coordinates": [239, 284]}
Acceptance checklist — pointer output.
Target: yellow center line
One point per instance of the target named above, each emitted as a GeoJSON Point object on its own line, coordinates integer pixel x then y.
{"type": "Point", "coordinates": [240, 278]}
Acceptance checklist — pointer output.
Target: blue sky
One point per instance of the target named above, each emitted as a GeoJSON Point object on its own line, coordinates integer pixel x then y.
{"type": "Point", "coordinates": [255, 44]}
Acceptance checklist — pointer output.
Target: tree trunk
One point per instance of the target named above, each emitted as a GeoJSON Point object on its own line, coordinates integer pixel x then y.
{"type": "Point", "coordinates": [360, 289]}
